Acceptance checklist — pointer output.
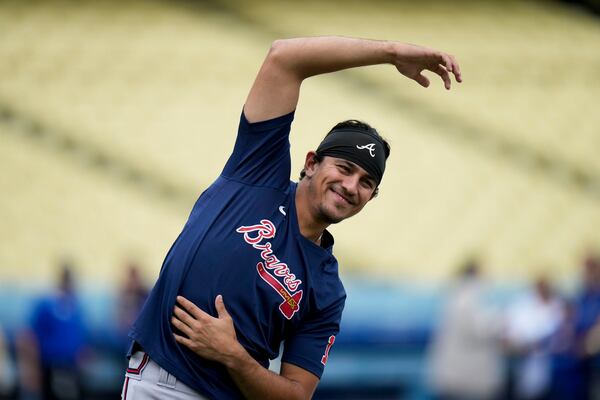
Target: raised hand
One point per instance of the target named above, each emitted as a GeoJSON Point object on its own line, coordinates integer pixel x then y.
{"type": "Point", "coordinates": [411, 60]}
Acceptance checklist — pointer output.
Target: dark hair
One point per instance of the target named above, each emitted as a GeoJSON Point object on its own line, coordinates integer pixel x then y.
{"type": "Point", "coordinates": [354, 124]}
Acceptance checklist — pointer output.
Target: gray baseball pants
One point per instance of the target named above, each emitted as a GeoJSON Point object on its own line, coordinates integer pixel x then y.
{"type": "Point", "coordinates": [146, 380]}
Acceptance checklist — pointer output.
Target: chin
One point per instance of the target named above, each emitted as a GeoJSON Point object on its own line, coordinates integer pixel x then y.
{"type": "Point", "coordinates": [332, 217]}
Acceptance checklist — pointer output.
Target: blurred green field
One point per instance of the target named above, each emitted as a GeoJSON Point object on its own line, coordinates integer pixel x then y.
{"type": "Point", "coordinates": [115, 115]}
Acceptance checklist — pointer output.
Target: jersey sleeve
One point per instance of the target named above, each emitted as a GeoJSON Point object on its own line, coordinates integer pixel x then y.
{"type": "Point", "coordinates": [309, 346]}
{"type": "Point", "coordinates": [261, 155]}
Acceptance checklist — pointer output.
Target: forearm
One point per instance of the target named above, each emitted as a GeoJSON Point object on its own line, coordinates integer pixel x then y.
{"type": "Point", "coordinates": [215, 339]}
{"type": "Point", "coordinates": [305, 57]}
{"type": "Point", "coordinates": [257, 382]}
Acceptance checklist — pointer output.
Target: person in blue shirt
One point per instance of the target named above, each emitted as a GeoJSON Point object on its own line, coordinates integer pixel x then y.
{"type": "Point", "coordinates": [60, 335]}
{"type": "Point", "coordinates": [253, 266]}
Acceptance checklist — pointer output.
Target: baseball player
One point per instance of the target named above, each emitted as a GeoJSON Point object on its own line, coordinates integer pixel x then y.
{"type": "Point", "coordinates": [253, 266]}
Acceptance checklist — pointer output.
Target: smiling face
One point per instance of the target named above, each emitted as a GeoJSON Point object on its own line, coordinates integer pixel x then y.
{"type": "Point", "coordinates": [337, 188]}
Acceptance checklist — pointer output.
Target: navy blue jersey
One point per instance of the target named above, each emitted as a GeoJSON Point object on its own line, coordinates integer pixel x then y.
{"type": "Point", "coordinates": [242, 240]}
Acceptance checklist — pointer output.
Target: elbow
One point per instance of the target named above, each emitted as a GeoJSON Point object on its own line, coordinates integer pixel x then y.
{"type": "Point", "coordinates": [282, 59]}
{"type": "Point", "coordinates": [285, 51]}
{"type": "Point", "coordinates": [298, 392]}
{"type": "Point", "coordinates": [279, 45]}
{"type": "Point", "coordinates": [278, 50]}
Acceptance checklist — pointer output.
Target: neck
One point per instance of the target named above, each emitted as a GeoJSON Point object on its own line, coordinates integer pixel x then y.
{"type": "Point", "coordinates": [310, 227]}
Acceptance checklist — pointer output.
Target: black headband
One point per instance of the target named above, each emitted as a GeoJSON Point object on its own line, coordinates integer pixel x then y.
{"type": "Point", "coordinates": [360, 147]}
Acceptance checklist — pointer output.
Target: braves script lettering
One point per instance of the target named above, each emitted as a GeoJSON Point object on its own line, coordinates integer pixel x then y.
{"type": "Point", "coordinates": [254, 235]}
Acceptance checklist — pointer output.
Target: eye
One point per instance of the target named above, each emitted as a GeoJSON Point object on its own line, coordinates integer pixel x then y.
{"type": "Point", "coordinates": [367, 183]}
{"type": "Point", "coordinates": [344, 168]}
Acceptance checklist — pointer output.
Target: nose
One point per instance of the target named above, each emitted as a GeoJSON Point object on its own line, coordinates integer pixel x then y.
{"type": "Point", "coordinates": [350, 185]}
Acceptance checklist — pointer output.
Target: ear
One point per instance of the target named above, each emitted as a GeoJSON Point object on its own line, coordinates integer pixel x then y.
{"type": "Point", "coordinates": [375, 193]}
{"type": "Point", "coordinates": [310, 164]}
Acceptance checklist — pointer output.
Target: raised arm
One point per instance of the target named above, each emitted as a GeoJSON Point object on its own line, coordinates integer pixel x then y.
{"type": "Point", "coordinates": [277, 86]}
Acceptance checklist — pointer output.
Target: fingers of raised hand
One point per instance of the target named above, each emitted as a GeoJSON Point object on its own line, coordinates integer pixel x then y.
{"type": "Point", "coordinates": [422, 80]}
{"type": "Point", "coordinates": [449, 62]}
{"type": "Point", "coordinates": [446, 62]}
{"type": "Point", "coordinates": [443, 73]}
{"type": "Point", "coordinates": [455, 68]}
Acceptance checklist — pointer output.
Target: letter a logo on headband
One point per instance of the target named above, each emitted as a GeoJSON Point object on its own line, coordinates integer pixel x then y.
{"type": "Point", "coordinates": [370, 147]}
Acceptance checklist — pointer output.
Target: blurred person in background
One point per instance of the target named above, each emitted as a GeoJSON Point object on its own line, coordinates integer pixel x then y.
{"type": "Point", "coordinates": [131, 298]}
{"type": "Point", "coordinates": [28, 366]}
{"type": "Point", "coordinates": [56, 341]}
{"type": "Point", "coordinates": [465, 357]}
{"type": "Point", "coordinates": [587, 327]}
{"type": "Point", "coordinates": [567, 382]}
{"type": "Point", "coordinates": [531, 321]}
{"type": "Point", "coordinates": [7, 369]}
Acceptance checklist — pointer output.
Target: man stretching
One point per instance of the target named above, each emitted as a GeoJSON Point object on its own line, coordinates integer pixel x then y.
{"type": "Point", "coordinates": [253, 266]}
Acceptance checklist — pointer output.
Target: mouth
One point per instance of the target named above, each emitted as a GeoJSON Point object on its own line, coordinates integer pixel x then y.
{"type": "Point", "coordinates": [342, 198]}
